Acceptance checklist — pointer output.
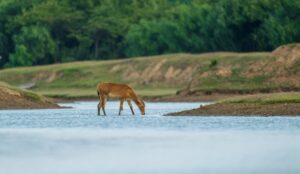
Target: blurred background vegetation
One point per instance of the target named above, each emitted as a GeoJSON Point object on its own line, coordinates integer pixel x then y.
{"type": "Point", "coordinates": [36, 32]}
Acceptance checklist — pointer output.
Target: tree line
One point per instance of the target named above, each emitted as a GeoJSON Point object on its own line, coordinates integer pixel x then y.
{"type": "Point", "coordinates": [35, 32]}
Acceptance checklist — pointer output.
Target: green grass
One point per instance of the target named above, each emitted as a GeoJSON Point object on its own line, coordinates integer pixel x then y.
{"type": "Point", "coordinates": [265, 99]}
{"type": "Point", "coordinates": [25, 93]}
{"type": "Point", "coordinates": [68, 93]}
{"type": "Point", "coordinates": [91, 93]}
{"type": "Point", "coordinates": [32, 96]}
{"type": "Point", "coordinates": [79, 79]}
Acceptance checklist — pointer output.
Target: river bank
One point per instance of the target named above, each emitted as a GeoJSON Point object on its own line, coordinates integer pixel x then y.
{"type": "Point", "coordinates": [15, 98]}
{"type": "Point", "coordinates": [278, 104]}
{"type": "Point", "coordinates": [159, 77]}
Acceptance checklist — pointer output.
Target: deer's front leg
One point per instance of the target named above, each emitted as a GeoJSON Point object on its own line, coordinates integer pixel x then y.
{"type": "Point", "coordinates": [103, 102]}
{"type": "Point", "coordinates": [121, 105]}
{"type": "Point", "coordinates": [130, 105]}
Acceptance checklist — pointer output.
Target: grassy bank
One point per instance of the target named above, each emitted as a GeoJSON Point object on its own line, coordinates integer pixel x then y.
{"type": "Point", "coordinates": [158, 76]}
{"type": "Point", "coordinates": [286, 104]}
{"type": "Point", "coordinates": [264, 99]}
{"type": "Point", "coordinates": [15, 98]}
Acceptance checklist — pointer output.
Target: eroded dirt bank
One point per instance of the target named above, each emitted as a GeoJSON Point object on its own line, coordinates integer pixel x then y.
{"type": "Point", "coordinates": [12, 98]}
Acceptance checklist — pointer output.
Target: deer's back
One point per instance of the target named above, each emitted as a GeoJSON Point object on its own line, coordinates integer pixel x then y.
{"type": "Point", "coordinates": [115, 89]}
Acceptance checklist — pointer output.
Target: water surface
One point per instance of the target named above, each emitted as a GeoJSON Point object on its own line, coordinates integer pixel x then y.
{"type": "Point", "coordinates": [78, 141]}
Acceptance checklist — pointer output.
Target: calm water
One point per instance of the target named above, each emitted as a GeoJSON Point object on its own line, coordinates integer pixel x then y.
{"type": "Point", "coordinates": [71, 141]}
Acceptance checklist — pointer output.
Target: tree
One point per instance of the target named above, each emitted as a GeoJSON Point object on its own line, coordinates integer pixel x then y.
{"type": "Point", "coordinates": [8, 10]}
{"type": "Point", "coordinates": [34, 44]}
{"type": "Point", "coordinates": [282, 27]}
{"type": "Point", "coordinates": [154, 37]}
{"type": "Point", "coordinates": [61, 20]}
{"type": "Point", "coordinates": [21, 57]}
{"type": "Point", "coordinates": [108, 29]}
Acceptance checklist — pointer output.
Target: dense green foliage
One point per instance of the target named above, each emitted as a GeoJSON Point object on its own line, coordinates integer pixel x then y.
{"type": "Point", "coordinates": [36, 32]}
{"type": "Point", "coordinates": [34, 45]}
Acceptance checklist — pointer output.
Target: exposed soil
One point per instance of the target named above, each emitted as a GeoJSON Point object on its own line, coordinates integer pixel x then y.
{"type": "Point", "coordinates": [286, 67]}
{"type": "Point", "coordinates": [11, 99]}
{"type": "Point", "coordinates": [160, 71]}
{"type": "Point", "coordinates": [226, 109]}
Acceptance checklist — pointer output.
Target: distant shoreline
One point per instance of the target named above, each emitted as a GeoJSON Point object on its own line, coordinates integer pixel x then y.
{"type": "Point", "coordinates": [242, 110]}
{"type": "Point", "coordinates": [278, 104]}
{"type": "Point", "coordinates": [172, 98]}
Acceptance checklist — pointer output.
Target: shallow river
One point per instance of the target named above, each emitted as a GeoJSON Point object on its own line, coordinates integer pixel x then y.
{"type": "Point", "coordinates": [77, 141]}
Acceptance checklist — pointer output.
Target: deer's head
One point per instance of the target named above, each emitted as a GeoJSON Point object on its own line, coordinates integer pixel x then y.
{"type": "Point", "coordinates": [141, 104]}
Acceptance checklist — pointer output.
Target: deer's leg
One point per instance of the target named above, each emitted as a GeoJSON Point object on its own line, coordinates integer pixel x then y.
{"type": "Point", "coordinates": [121, 105]}
{"type": "Point", "coordinates": [103, 102]}
{"type": "Point", "coordinates": [99, 106]}
{"type": "Point", "coordinates": [130, 105]}
{"type": "Point", "coordinates": [100, 102]}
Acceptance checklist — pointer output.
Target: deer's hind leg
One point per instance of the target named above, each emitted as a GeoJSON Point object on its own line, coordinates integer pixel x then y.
{"type": "Point", "coordinates": [121, 105]}
{"type": "Point", "coordinates": [100, 103]}
{"type": "Point", "coordinates": [99, 106]}
{"type": "Point", "coordinates": [130, 105]}
{"type": "Point", "coordinates": [103, 102]}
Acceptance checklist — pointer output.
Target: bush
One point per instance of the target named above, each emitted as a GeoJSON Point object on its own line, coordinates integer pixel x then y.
{"type": "Point", "coordinates": [213, 63]}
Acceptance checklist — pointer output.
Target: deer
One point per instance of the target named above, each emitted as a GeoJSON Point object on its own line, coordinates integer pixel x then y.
{"type": "Point", "coordinates": [123, 91]}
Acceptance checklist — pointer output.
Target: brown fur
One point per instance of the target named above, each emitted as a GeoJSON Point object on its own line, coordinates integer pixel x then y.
{"type": "Point", "coordinates": [123, 91]}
